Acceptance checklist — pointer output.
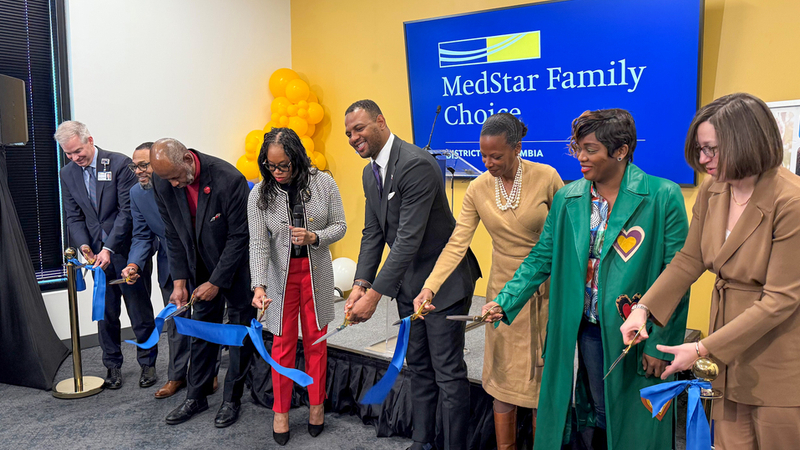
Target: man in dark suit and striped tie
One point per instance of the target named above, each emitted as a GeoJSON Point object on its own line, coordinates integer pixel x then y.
{"type": "Point", "coordinates": [96, 185]}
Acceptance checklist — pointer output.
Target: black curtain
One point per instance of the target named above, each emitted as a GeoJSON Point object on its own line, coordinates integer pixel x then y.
{"type": "Point", "coordinates": [31, 351]}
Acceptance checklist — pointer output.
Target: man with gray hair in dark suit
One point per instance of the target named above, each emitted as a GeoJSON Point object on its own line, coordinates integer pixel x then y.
{"type": "Point", "coordinates": [96, 185]}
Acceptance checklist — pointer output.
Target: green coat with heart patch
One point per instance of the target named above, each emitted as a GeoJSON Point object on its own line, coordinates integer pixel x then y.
{"type": "Point", "coordinates": [646, 227]}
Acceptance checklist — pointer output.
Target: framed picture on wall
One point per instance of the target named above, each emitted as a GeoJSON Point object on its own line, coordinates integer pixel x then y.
{"type": "Point", "coordinates": [787, 114]}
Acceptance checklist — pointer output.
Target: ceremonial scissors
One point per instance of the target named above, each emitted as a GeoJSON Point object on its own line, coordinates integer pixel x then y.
{"type": "Point", "coordinates": [120, 281]}
{"type": "Point", "coordinates": [420, 312]}
{"type": "Point", "coordinates": [627, 349]}
{"type": "Point", "coordinates": [181, 309]}
{"type": "Point", "coordinates": [480, 319]}
{"type": "Point", "coordinates": [341, 327]}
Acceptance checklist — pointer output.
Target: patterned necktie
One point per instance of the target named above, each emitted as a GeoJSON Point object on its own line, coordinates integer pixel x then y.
{"type": "Point", "coordinates": [376, 170]}
{"type": "Point", "coordinates": [91, 187]}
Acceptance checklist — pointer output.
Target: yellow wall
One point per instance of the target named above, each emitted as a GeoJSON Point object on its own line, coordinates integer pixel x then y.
{"type": "Point", "coordinates": [354, 49]}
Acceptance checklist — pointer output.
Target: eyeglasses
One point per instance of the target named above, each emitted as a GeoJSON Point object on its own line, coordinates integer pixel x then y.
{"type": "Point", "coordinates": [709, 151]}
{"type": "Point", "coordinates": [283, 168]}
{"type": "Point", "coordinates": [141, 166]}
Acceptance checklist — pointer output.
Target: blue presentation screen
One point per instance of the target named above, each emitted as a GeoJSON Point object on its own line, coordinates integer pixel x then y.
{"type": "Point", "coordinates": [547, 63]}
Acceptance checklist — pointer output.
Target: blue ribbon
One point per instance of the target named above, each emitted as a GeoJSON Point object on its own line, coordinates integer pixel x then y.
{"type": "Point", "coordinates": [218, 333]}
{"type": "Point", "coordinates": [99, 291]}
{"type": "Point", "coordinates": [160, 319]}
{"type": "Point", "coordinates": [298, 376]}
{"type": "Point", "coordinates": [698, 433]}
{"type": "Point", "coordinates": [377, 393]}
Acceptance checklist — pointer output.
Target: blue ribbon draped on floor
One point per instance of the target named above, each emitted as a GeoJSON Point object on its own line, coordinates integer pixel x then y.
{"type": "Point", "coordinates": [99, 291]}
{"type": "Point", "coordinates": [233, 335]}
{"type": "Point", "coordinates": [377, 394]}
{"type": "Point", "coordinates": [160, 319]}
{"type": "Point", "coordinates": [698, 433]}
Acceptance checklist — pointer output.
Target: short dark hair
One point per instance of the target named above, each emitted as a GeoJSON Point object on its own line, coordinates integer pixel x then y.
{"type": "Point", "coordinates": [505, 124]}
{"type": "Point", "coordinates": [144, 146]}
{"type": "Point", "coordinates": [301, 165]}
{"type": "Point", "coordinates": [612, 128]}
{"type": "Point", "coordinates": [748, 140]}
{"type": "Point", "coordinates": [369, 106]}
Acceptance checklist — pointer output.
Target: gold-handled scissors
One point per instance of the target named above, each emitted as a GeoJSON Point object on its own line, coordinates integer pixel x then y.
{"type": "Point", "coordinates": [120, 280]}
{"type": "Point", "coordinates": [473, 318]}
{"type": "Point", "coordinates": [263, 307]}
{"type": "Point", "coordinates": [627, 349]}
{"type": "Point", "coordinates": [420, 312]}
{"type": "Point", "coordinates": [341, 327]}
{"type": "Point", "coordinates": [181, 309]}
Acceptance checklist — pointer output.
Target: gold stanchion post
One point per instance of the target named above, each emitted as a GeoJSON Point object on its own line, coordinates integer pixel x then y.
{"type": "Point", "coordinates": [707, 370]}
{"type": "Point", "coordinates": [78, 386]}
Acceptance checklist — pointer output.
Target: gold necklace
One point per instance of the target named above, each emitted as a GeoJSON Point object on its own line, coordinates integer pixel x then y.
{"type": "Point", "coordinates": [733, 197]}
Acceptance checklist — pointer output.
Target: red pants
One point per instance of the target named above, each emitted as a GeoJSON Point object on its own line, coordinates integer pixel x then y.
{"type": "Point", "coordinates": [298, 299]}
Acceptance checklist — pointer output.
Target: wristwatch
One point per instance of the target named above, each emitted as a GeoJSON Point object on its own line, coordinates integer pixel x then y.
{"type": "Point", "coordinates": [364, 284]}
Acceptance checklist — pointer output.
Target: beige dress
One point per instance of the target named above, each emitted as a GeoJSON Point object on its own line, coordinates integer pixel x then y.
{"type": "Point", "coordinates": [512, 363]}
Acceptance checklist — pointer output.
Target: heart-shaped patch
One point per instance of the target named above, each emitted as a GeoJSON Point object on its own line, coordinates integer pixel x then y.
{"type": "Point", "coordinates": [624, 304]}
{"type": "Point", "coordinates": [628, 242]}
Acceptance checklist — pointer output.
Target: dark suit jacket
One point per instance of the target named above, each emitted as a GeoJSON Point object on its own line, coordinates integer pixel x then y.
{"type": "Point", "coordinates": [221, 236]}
{"type": "Point", "coordinates": [148, 232]}
{"type": "Point", "coordinates": [113, 213]}
{"type": "Point", "coordinates": [414, 219]}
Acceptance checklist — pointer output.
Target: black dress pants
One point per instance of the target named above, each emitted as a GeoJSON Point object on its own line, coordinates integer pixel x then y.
{"type": "Point", "coordinates": [435, 361]}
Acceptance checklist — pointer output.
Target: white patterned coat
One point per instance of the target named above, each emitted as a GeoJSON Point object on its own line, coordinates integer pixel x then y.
{"type": "Point", "coordinates": [270, 246]}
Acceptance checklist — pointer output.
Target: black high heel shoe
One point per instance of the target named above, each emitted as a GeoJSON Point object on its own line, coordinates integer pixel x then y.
{"type": "Point", "coordinates": [281, 438]}
{"type": "Point", "coordinates": [315, 430]}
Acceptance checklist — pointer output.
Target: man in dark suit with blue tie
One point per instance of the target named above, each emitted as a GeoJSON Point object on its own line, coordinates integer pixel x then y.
{"type": "Point", "coordinates": [96, 185]}
{"type": "Point", "coordinates": [407, 210]}
{"type": "Point", "coordinates": [148, 238]}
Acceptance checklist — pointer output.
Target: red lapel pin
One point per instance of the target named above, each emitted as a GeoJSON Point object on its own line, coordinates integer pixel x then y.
{"type": "Point", "coordinates": [207, 189]}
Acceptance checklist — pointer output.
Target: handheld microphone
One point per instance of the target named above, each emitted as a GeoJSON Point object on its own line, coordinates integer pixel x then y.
{"type": "Point", "coordinates": [297, 221]}
{"type": "Point", "coordinates": [438, 110]}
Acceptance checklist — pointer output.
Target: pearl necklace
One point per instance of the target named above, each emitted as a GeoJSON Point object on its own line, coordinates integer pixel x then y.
{"type": "Point", "coordinates": [512, 199]}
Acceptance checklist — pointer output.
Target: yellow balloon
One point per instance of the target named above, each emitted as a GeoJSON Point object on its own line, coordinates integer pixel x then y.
{"type": "Point", "coordinates": [283, 121]}
{"type": "Point", "coordinates": [315, 113]}
{"type": "Point", "coordinates": [311, 129]}
{"type": "Point", "coordinates": [269, 126]}
{"type": "Point", "coordinates": [253, 141]}
{"type": "Point", "coordinates": [302, 103]}
{"type": "Point", "coordinates": [298, 125]}
{"type": "Point", "coordinates": [320, 161]}
{"type": "Point", "coordinates": [302, 112]}
{"type": "Point", "coordinates": [292, 110]}
{"type": "Point", "coordinates": [248, 168]}
{"type": "Point", "coordinates": [312, 97]}
{"type": "Point", "coordinates": [308, 144]}
{"type": "Point", "coordinates": [279, 79]}
{"type": "Point", "coordinates": [251, 156]}
{"type": "Point", "coordinates": [283, 110]}
{"type": "Point", "coordinates": [297, 90]}
{"type": "Point", "coordinates": [274, 116]}
{"type": "Point", "coordinates": [276, 104]}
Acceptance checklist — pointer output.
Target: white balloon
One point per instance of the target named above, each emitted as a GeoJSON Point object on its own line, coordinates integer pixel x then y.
{"type": "Point", "coordinates": [344, 272]}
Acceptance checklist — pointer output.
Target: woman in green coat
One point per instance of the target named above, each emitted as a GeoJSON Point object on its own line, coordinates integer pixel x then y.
{"type": "Point", "coordinates": [594, 284]}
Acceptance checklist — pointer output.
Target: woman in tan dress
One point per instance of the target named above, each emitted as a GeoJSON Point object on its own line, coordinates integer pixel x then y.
{"type": "Point", "coordinates": [512, 198]}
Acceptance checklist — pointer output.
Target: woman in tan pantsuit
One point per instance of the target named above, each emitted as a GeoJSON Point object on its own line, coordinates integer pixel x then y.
{"type": "Point", "coordinates": [746, 230]}
{"type": "Point", "coordinates": [512, 198]}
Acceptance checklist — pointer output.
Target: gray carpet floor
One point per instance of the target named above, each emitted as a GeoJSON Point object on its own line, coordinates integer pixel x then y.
{"type": "Point", "coordinates": [131, 418]}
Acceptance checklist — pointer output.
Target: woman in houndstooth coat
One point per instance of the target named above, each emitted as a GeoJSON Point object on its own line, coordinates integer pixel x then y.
{"type": "Point", "coordinates": [291, 267]}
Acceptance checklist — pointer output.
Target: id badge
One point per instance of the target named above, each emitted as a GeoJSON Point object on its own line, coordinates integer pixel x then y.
{"type": "Point", "coordinates": [104, 176]}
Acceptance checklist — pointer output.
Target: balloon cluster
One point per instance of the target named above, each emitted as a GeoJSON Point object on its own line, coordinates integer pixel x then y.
{"type": "Point", "coordinates": [295, 107]}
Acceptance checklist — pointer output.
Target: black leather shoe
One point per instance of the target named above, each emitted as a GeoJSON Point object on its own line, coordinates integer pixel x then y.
{"type": "Point", "coordinates": [315, 430]}
{"type": "Point", "coordinates": [281, 438]}
{"type": "Point", "coordinates": [113, 378]}
{"type": "Point", "coordinates": [227, 415]}
{"type": "Point", "coordinates": [188, 409]}
{"type": "Point", "coordinates": [148, 377]}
